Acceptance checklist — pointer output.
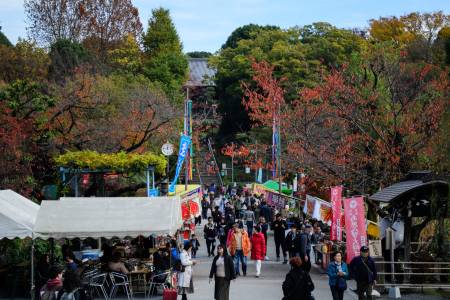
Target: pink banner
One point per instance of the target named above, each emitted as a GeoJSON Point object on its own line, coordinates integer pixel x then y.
{"type": "Point", "coordinates": [336, 210]}
{"type": "Point", "coordinates": [355, 226]}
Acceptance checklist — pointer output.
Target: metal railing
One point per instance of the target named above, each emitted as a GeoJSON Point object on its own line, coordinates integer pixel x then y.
{"type": "Point", "coordinates": [412, 274]}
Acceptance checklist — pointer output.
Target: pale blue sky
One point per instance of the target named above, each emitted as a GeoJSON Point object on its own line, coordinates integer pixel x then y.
{"type": "Point", "coordinates": [205, 24]}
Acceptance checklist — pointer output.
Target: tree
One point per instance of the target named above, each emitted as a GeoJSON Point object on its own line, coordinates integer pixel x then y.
{"type": "Point", "coordinates": [199, 54]}
{"type": "Point", "coordinates": [379, 125]}
{"type": "Point", "coordinates": [100, 23]}
{"type": "Point", "coordinates": [65, 57]}
{"type": "Point", "coordinates": [127, 57]}
{"type": "Point", "coordinates": [329, 45]}
{"type": "Point", "coordinates": [282, 48]}
{"type": "Point", "coordinates": [414, 32]}
{"type": "Point", "coordinates": [164, 60]}
{"type": "Point", "coordinates": [244, 33]}
{"type": "Point", "coordinates": [3, 39]}
{"type": "Point", "coordinates": [49, 21]}
{"type": "Point", "coordinates": [24, 61]}
{"type": "Point", "coordinates": [23, 135]}
{"type": "Point", "coordinates": [108, 114]}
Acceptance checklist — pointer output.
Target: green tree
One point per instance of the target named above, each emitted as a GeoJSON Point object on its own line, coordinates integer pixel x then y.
{"type": "Point", "coordinates": [3, 39]}
{"type": "Point", "coordinates": [23, 61]}
{"type": "Point", "coordinates": [127, 57]}
{"type": "Point", "coordinates": [244, 33]}
{"type": "Point", "coordinates": [280, 47]}
{"type": "Point", "coordinates": [198, 54]}
{"type": "Point", "coordinates": [330, 45]}
{"type": "Point", "coordinates": [65, 56]}
{"type": "Point", "coordinates": [164, 60]}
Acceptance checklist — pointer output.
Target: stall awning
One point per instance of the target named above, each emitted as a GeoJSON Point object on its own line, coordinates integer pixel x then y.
{"type": "Point", "coordinates": [108, 217]}
{"type": "Point", "coordinates": [17, 215]}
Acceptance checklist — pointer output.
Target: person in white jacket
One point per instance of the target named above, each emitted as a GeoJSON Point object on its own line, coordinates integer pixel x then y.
{"type": "Point", "coordinates": [185, 282]}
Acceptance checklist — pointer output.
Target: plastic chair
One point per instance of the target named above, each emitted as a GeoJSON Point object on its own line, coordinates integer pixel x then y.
{"type": "Point", "coordinates": [120, 280]}
{"type": "Point", "coordinates": [157, 280]}
{"type": "Point", "coordinates": [99, 282]}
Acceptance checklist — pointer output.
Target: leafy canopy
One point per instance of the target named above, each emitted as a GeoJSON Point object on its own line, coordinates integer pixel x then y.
{"type": "Point", "coordinates": [121, 161]}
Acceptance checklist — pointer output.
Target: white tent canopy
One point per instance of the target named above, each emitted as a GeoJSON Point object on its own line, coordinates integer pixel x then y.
{"type": "Point", "coordinates": [17, 215]}
{"type": "Point", "coordinates": [108, 217]}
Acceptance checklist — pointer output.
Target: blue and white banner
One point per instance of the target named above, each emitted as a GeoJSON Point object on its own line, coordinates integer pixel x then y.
{"type": "Point", "coordinates": [185, 142]}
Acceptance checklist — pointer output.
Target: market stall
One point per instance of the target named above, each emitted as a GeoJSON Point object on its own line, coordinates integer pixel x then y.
{"type": "Point", "coordinates": [108, 217]}
{"type": "Point", "coordinates": [17, 218]}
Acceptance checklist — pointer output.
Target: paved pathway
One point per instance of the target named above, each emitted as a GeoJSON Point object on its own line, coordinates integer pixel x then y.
{"type": "Point", "coordinates": [267, 287]}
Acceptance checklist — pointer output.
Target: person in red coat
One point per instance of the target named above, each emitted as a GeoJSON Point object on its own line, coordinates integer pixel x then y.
{"type": "Point", "coordinates": [258, 249]}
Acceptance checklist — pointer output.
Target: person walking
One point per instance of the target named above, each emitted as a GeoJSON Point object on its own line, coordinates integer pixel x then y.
{"type": "Point", "coordinates": [362, 269]}
{"type": "Point", "coordinates": [205, 207]}
{"type": "Point", "coordinates": [305, 244]}
{"type": "Point", "coordinates": [298, 284]}
{"type": "Point", "coordinates": [210, 233]}
{"type": "Point", "coordinates": [249, 218]}
{"type": "Point", "coordinates": [258, 249]}
{"type": "Point", "coordinates": [337, 276]}
{"type": "Point", "coordinates": [279, 227]}
{"type": "Point", "coordinates": [293, 242]}
{"type": "Point", "coordinates": [195, 245]}
{"type": "Point", "coordinates": [239, 249]}
{"type": "Point", "coordinates": [222, 269]}
{"type": "Point", "coordinates": [185, 280]}
{"type": "Point", "coordinates": [316, 239]}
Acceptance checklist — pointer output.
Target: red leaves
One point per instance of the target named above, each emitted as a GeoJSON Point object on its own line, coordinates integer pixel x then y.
{"type": "Point", "coordinates": [264, 102]}
{"type": "Point", "coordinates": [346, 124]}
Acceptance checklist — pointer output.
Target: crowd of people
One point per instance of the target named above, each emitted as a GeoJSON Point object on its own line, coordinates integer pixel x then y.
{"type": "Point", "coordinates": [237, 226]}
{"type": "Point", "coordinates": [239, 221]}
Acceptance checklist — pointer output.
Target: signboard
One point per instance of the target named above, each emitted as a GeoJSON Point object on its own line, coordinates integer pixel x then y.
{"type": "Point", "coordinates": [336, 209]}
{"type": "Point", "coordinates": [185, 142]}
{"type": "Point", "coordinates": [190, 204]}
{"type": "Point", "coordinates": [375, 248]}
{"type": "Point", "coordinates": [317, 208]}
{"type": "Point", "coordinates": [355, 226]}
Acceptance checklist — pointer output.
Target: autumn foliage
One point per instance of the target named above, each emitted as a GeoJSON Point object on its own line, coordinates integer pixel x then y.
{"type": "Point", "coordinates": [355, 126]}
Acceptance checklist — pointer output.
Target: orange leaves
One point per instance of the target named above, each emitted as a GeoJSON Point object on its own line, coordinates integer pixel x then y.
{"type": "Point", "coordinates": [264, 100]}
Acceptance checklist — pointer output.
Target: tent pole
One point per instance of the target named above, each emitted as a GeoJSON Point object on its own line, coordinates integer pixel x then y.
{"type": "Point", "coordinates": [32, 268]}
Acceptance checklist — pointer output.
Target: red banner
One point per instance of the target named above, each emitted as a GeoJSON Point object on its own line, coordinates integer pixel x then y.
{"type": "Point", "coordinates": [336, 210]}
{"type": "Point", "coordinates": [355, 226]}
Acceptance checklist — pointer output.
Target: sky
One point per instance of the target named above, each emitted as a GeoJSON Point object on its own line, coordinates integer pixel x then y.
{"type": "Point", "coordinates": [204, 25]}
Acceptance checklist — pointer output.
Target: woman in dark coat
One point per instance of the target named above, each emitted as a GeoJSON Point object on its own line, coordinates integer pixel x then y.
{"type": "Point", "coordinates": [222, 269]}
{"type": "Point", "coordinates": [298, 284]}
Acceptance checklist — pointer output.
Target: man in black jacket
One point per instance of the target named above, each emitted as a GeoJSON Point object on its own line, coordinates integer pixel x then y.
{"type": "Point", "coordinates": [362, 269]}
{"type": "Point", "coordinates": [292, 242]}
{"type": "Point", "coordinates": [279, 227]}
{"type": "Point", "coordinates": [210, 232]}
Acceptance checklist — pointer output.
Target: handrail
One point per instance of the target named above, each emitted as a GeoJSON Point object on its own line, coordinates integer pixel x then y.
{"type": "Point", "coordinates": [413, 262]}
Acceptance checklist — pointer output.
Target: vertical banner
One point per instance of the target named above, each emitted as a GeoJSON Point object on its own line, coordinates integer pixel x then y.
{"type": "Point", "coordinates": [336, 210]}
{"type": "Point", "coordinates": [355, 226]}
{"type": "Point", "coordinates": [185, 141]}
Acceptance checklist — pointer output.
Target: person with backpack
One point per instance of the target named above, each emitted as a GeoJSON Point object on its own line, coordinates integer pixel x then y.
{"type": "Point", "coordinates": [298, 284]}
{"type": "Point", "coordinates": [337, 276]}
{"type": "Point", "coordinates": [53, 285]}
{"type": "Point", "coordinates": [222, 269]}
{"type": "Point", "coordinates": [210, 233]}
{"type": "Point", "coordinates": [362, 269]}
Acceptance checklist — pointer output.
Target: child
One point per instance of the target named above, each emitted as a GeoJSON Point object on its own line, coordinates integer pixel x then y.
{"type": "Point", "coordinates": [195, 245]}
